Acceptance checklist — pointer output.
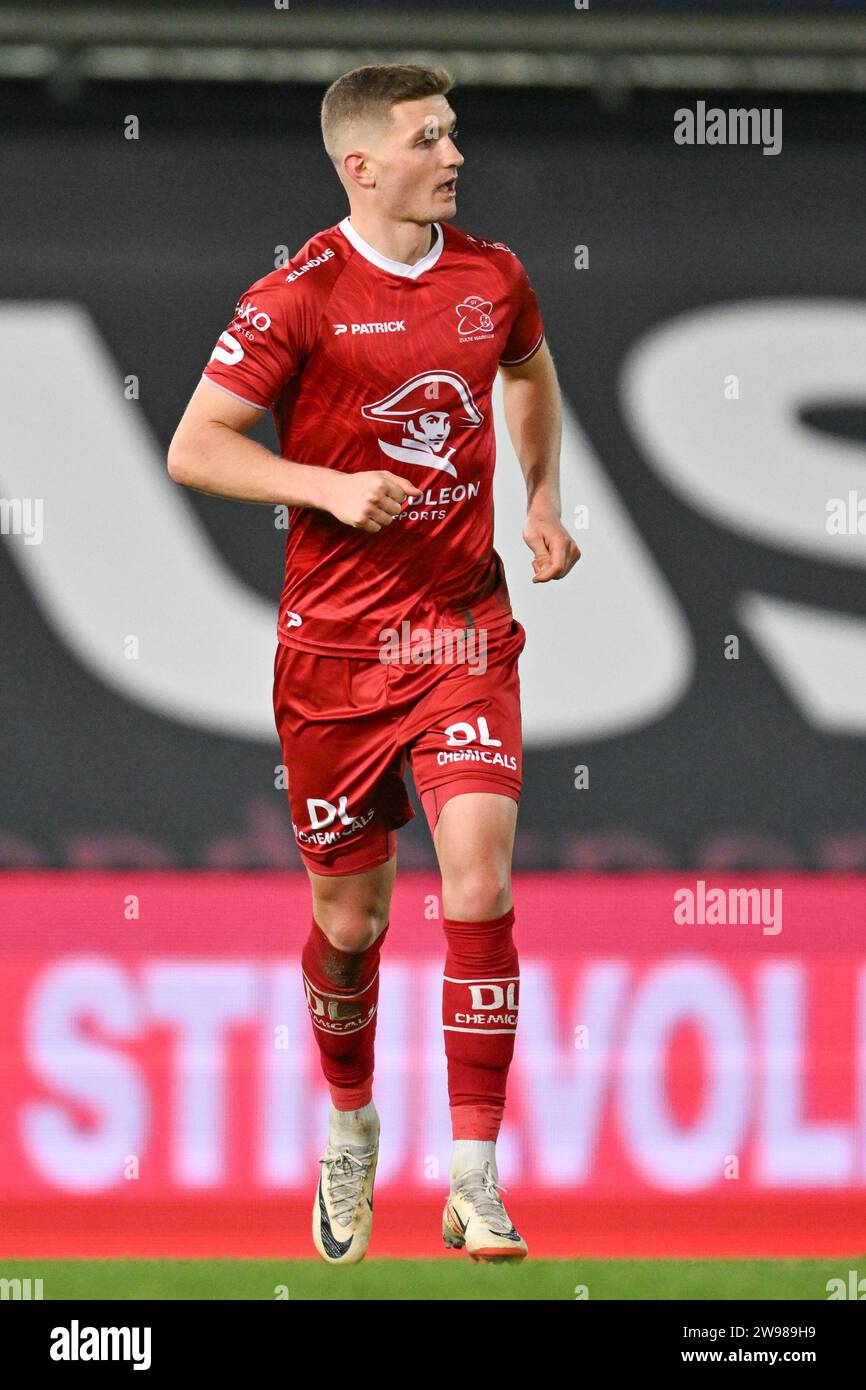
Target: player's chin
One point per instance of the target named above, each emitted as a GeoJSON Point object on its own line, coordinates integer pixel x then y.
{"type": "Point", "coordinates": [445, 207]}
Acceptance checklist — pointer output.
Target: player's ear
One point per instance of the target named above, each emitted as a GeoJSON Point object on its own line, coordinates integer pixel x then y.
{"type": "Point", "coordinates": [357, 169]}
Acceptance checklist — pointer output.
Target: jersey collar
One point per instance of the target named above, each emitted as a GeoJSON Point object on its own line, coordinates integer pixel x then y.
{"type": "Point", "coordinates": [409, 272]}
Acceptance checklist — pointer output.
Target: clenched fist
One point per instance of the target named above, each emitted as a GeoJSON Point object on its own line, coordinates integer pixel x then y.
{"type": "Point", "coordinates": [368, 501]}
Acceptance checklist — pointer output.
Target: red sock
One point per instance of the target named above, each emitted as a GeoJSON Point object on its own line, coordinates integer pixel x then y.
{"type": "Point", "coordinates": [479, 1015]}
{"type": "Point", "coordinates": [342, 989]}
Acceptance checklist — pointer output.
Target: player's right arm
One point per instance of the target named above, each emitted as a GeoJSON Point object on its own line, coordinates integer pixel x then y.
{"type": "Point", "coordinates": [210, 453]}
{"type": "Point", "coordinates": [267, 344]}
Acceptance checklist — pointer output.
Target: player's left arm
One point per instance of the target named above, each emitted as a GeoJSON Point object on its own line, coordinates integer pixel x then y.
{"type": "Point", "coordinates": [533, 411]}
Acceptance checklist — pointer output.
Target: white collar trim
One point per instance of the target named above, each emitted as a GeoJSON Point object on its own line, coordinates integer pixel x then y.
{"type": "Point", "coordinates": [410, 272]}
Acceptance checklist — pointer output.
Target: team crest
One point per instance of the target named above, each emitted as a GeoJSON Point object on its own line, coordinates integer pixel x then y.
{"type": "Point", "coordinates": [475, 315]}
{"type": "Point", "coordinates": [426, 408]}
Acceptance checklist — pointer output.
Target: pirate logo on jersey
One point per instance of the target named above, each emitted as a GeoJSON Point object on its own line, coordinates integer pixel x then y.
{"type": "Point", "coordinates": [475, 315]}
{"type": "Point", "coordinates": [426, 408]}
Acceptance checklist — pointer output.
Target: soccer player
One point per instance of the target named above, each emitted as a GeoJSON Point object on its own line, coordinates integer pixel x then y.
{"type": "Point", "coordinates": [376, 347]}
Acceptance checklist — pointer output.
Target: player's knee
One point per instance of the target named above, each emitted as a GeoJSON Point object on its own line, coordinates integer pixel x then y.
{"type": "Point", "coordinates": [478, 894]}
{"type": "Point", "coordinates": [349, 926]}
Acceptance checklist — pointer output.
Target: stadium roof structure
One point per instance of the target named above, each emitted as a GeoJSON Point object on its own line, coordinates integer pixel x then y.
{"type": "Point", "coordinates": [569, 48]}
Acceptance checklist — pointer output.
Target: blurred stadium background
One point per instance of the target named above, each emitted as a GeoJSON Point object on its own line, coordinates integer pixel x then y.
{"type": "Point", "coordinates": [695, 693]}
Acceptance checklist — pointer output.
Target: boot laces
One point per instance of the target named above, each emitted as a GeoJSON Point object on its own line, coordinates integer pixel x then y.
{"type": "Point", "coordinates": [479, 1187]}
{"type": "Point", "coordinates": [346, 1172]}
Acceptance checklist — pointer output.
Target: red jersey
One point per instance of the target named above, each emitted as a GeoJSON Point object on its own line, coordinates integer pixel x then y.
{"type": "Point", "coordinates": [368, 363]}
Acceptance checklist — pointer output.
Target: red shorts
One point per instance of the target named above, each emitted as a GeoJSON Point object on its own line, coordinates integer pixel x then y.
{"type": "Point", "coordinates": [348, 724]}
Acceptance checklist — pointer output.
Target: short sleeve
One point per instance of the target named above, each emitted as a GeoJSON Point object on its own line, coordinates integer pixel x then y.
{"type": "Point", "coordinates": [262, 348]}
{"type": "Point", "coordinates": [527, 330]}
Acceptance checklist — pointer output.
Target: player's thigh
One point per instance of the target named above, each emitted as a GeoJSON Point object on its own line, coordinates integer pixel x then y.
{"type": "Point", "coordinates": [466, 728]}
{"type": "Point", "coordinates": [467, 763]}
{"type": "Point", "coordinates": [353, 909]}
{"type": "Point", "coordinates": [474, 840]}
{"type": "Point", "coordinates": [344, 786]}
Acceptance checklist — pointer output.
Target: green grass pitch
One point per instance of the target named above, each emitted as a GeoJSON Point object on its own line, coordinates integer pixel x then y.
{"type": "Point", "coordinates": [443, 1279]}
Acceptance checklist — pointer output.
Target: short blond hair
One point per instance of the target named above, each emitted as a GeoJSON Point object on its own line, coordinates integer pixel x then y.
{"type": "Point", "coordinates": [369, 92]}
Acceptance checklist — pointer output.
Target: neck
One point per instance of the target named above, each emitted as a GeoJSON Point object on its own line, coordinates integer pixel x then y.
{"type": "Point", "coordinates": [399, 241]}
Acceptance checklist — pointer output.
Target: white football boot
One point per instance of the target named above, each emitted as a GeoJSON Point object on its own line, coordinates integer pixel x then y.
{"type": "Point", "coordinates": [343, 1209]}
{"type": "Point", "coordinates": [475, 1217]}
